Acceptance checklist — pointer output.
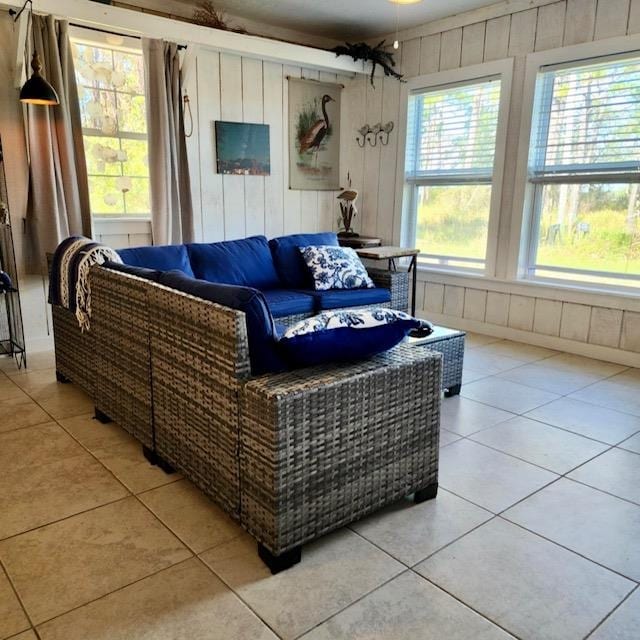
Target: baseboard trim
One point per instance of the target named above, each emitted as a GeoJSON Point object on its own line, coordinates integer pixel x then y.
{"type": "Point", "coordinates": [609, 354]}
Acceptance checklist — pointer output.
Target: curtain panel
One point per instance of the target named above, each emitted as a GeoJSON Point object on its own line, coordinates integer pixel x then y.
{"type": "Point", "coordinates": [171, 207]}
{"type": "Point", "coordinates": [58, 203]}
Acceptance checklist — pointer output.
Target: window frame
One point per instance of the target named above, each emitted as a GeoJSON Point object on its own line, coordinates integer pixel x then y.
{"type": "Point", "coordinates": [526, 202]}
{"type": "Point", "coordinates": [405, 223]}
{"type": "Point", "coordinates": [128, 44]}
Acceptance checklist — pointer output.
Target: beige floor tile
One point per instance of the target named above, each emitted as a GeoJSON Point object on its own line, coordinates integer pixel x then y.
{"type": "Point", "coordinates": [20, 412]}
{"type": "Point", "coordinates": [36, 495]}
{"type": "Point", "coordinates": [490, 363]}
{"type": "Point", "coordinates": [538, 443]}
{"type": "Point", "coordinates": [69, 563]}
{"type": "Point", "coordinates": [127, 462]}
{"type": "Point", "coordinates": [553, 379]}
{"type": "Point", "coordinates": [572, 362]}
{"type": "Point", "coordinates": [473, 340]}
{"type": "Point", "coordinates": [93, 434]}
{"type": "Point", "coordinates": [629, 378]}
{"type": "Point", "coordinates": [185, 601]}
{"type": "Point", "coordinates": [410, 532]}
{"type": "Point", "coordinates": [25, 635]}
{"type": "Point", "coordinates": [471, 375]}
{"type": "Point", "coordinates": [67, 402]}
{"type": "Point", "coordinates": [335, 571]}
{"type": "Point", "coordinates": [590, 522]}
{"type": "Point", "coordinates": [464, 416]}
{"type": "Point", "coordinates": [36, 360]}
{"type": "Point", "coordinates": [527, 585]}
{"type": "Point", "coordinates": [507, 395]}
{"type": "Point", "coordinates": [447, 437]}
{"type": "Point", "coordinates": [31, 446]}
{"type": "Point", "coordinates": [617, 471]}
{"type": "Point", "coordinates": [624, 622]}
{"type": "Point", "coordinates": [587, 420]}
{"type": "Point", "coordinates": [12, 618]}
{"type": "Point", "coordinates": [488, 478]}
{"type": "Point", "coordinates": [613, 395]}
{"type": "Point", "coordinates": [39, 384]}
{"type": "Point", "coordinates": [518, 350]}
{"type": "Point", "coordinates": [197, 521]}
{"type": "Point", "coordinates": [632, 444]}
{"type": "Point", "coordinates": [11, 391]}
{"type": "Point", "coordinates": [407, 608]}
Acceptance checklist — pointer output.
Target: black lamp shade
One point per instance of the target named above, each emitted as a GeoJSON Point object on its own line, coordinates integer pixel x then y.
{"type": "Point", "coordinates": [36, 90]}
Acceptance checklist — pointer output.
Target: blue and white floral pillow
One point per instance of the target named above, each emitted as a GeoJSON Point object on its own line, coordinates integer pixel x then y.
{"type": "Point", "coordinates": [344, 335]}
{"type": "Point", "coordinates": [336, 268]}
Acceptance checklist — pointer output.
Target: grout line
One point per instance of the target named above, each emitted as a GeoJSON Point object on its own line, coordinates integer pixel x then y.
{"type": "Point", "coordinates": [3, 570]}
{"type": "Point", "coordinates": [611, 613]}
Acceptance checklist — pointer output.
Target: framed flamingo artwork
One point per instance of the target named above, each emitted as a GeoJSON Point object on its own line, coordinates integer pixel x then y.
{"type": "Point", "coordinates": [314, 135]}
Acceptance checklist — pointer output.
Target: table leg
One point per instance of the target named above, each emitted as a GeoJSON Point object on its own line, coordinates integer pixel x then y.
{"type": "Point", "coordinates": [414, 283]}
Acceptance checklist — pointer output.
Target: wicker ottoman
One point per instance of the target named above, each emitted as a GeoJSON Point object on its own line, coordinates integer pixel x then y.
{"type": "Point", "coordinates": [450, 343]}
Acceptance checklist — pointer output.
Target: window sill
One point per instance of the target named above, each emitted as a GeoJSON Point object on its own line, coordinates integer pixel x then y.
{"type": "Point", "coordinates": [560, 291]}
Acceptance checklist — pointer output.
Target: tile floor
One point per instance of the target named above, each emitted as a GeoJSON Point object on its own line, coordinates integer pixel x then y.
{"type": "Point", "coordinates": [535, 533]}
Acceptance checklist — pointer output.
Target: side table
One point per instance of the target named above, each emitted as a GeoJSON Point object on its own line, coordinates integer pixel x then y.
{"type": "Point", "coordinates": [358, 242]}
{"type": "Point", "coordinates": [390, 254]}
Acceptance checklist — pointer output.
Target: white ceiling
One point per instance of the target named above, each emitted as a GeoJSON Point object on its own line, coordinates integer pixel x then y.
{"type": "Point", "coordinates": [345, 19]}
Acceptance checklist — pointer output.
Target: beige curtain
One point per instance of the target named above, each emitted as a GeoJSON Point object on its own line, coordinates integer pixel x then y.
{"type": "Point", "coordinates": [58, 187]}
{"type": "Point", "coordinates": [171, 209]}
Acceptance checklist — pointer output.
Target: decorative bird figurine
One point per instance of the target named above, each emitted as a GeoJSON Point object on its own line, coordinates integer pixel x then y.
{"type": "Point", "coordinates": [311, 140]}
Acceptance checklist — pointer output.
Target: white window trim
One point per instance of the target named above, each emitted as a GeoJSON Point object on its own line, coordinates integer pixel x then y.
{"type": "Point", "coordinates": [521, 215]}
{"type": "Point", "coordinates": [501, 68]}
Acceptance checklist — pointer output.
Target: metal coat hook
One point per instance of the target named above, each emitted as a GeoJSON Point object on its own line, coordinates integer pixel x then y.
{"type": "Point", "coordinates": [373, 135]}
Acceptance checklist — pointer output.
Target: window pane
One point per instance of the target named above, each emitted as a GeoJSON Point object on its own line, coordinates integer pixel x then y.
{"type": "Point", "coordinates": [590, 227]}
{"type": "Point", "coordinates": [453, 221]}
{"type": "Point", "coordinates": [452, 131]}
{"type": "Point", "coordinates": [112, 107]}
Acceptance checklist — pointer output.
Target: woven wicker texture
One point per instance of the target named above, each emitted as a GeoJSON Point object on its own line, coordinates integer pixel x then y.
{"type": "Point", "coordinates": [120, 325]}
{"type": "Point", "coordinates": [74, 350]}
{"type": "Point", "coordinates": [397, 282]}
{"type": "Point", "coordinates": [452, 350]}
{"type": "Point", "coordinates": [199, 358]}
{"type": "Point", "coordinates": [324, 446]}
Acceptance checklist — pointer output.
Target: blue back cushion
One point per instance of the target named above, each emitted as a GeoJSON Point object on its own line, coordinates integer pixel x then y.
{"type": "Point", "coordinates": [140, 272]}
{"type": "Point", "coordinates": [246, 263]}
{"type": "Point", "coordinates": [290, 265]}
{"type": "Point", "coordinates": [263, 349]}
{"type": "Point", "coordinates": [163, 258]}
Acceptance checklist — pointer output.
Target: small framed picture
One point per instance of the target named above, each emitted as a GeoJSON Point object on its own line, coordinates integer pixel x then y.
{"type": "Point", "coordinates": [242, 149]}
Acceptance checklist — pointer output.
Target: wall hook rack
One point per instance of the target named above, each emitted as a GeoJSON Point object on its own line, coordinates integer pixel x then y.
{"type": "Point", "coordinates": [373, 135]}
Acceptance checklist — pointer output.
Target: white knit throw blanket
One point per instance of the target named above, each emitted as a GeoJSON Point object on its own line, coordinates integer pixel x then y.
{"type": "Point", "coordinates": [95, 255]}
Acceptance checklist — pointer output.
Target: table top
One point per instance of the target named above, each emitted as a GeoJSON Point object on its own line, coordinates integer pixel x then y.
{"type": "Point", "coordinates": [439, 333]}
{"type": "Point", "coordinates": [386, 252]}
{"type": "Point", "coordinates": [358, 242]}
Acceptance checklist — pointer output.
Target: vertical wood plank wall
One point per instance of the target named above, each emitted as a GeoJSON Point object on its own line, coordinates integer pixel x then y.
{"type": "Point", "coordinates": [594, 330]}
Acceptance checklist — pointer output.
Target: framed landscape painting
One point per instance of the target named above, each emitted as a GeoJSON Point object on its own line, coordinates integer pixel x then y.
{"type": "Point", "coordinates": [314, 135]}
{"type": "Point", "coordinates": [242, 149]}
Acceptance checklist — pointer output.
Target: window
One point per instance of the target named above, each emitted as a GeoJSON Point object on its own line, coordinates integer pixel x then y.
{"type": "Point", "coordinates": [584, 173]}
{"type": "Point", "coordinates": [110, 78]}
{"type": "Point", "coordinates": [449, 170]}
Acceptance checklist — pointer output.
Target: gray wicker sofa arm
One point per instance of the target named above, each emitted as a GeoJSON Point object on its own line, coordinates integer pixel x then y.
{"type": "Point", "coordinates": [397, 282]}
{"type": "Point", "coordinates": [324, 446]}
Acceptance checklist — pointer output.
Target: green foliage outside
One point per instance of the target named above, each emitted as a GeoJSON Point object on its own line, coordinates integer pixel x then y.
{"type": "Point", "coordinates": [310, 113]}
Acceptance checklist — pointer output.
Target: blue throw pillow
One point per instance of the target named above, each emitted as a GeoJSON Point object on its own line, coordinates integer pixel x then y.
{"type": "Point", "coordinates": [246, 263]}
{"type": "Point", "coordinates": [263, 347]}
{"type": "Point", "coordinates": [140, 272]}
{"type": "Point", "coordinates": [345, 335]}
{"type": "Point", "coordinates": [161, 258]}
{"type": "Point", "coordinates": [336, 268]}
{"type": "Point", "coordinates": [291, 268]}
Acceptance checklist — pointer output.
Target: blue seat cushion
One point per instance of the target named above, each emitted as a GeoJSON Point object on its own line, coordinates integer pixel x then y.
{"type": "Point", "coordinates": [283, 302]}
{"type": "Point", "coordinates": [246, 263]}
{"type": "Point", "coordinates": [162, 258]}
{"type": "Point", "coordinates": [344, 335]}
{"type": "Point", "coordinates": [263, 347]}
{"type": "Point", "coordinates": [291, 267]}
{"type": "Point", "coordinates": [341, 298]}
{"type": "Point", "coordinates": [140, 272]}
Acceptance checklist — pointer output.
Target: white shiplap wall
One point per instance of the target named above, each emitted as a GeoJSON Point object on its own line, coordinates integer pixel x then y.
{"type": "Point", "coordinates": [603, 326]}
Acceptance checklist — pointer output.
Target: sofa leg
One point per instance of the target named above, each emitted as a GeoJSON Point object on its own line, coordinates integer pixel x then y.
{"type": "Point", "coordinates": [156, 460]}
{"type": "Point", "coordinates": [453, 390]}
{"type": "Point", "coordinates": [282, 562]}
{"type": "Point", "coordinates": [428, 493]}
{"type": "Point", "coordinates": [61, 378]}
{"type": "Point", "coordinates": [101, 416]}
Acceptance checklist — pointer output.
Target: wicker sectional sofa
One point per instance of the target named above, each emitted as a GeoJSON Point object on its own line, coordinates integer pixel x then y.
{"type": "Point", "coordinates": [289, 455]}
